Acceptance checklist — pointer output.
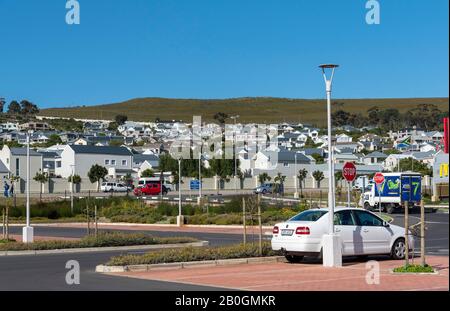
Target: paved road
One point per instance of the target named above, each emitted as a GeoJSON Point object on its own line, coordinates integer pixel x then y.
{"type": "Point", "coordinates": [47, 272]}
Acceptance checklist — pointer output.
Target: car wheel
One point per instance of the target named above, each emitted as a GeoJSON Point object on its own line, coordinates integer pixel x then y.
{"type": "Point", "coordinates": [398, 249]}
{"type": "Point", "coordinates": [367, 206]}
{"type": "Point", "coordinates": [390, 209]}
{"type": "Point", "coordinates": [293, 258]}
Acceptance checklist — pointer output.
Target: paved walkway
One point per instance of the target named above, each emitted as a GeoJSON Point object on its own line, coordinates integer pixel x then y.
{"type": "Point", "coordinates": [304, 277]}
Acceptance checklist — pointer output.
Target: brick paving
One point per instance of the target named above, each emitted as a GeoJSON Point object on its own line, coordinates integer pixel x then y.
{"type": "Point", "coordinates": [282, 276]}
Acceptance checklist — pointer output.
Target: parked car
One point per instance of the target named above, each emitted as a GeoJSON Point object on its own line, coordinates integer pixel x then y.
{"type": "Point", "coordinates": [362, 233]}
{"type": "Point", "coordinates": [268, 188]}
{"type": "Point", "coordinates": [145, 180]}
{"type": "Point", "coordinates": [150, 189]}
{"type": "Point", "coordinates": [114, 187]}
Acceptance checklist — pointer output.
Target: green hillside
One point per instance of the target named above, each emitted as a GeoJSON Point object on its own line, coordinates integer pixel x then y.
{"type": "Point", "coordinates": [251, 109]}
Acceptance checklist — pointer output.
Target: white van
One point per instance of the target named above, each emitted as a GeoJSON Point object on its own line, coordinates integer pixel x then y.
{"type": "Point", "coordinates": [147, 180]}
{"type": "Point", "coordinates": [114, 187]}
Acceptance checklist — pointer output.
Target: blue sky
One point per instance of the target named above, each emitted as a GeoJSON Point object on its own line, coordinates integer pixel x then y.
{"type": "Point", "coordinates": [220, 49]}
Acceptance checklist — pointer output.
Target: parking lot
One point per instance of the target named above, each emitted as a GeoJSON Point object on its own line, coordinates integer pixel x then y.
{"type": "Point", "coordinates": [308, 276]}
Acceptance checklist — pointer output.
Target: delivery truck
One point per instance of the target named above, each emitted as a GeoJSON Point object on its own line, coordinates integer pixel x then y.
{"type": "Point", "coordinates": [396, 189]}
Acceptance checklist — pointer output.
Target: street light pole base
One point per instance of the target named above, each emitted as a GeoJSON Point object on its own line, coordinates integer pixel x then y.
{"type": "Point", "coordinates": [332, 252]}
{"type": "Point", "coordinates": [296, 196]}
{"type": "Point", "coordinates": [27, 234]}
{"type": "Point", "coordinates": [180, 221]}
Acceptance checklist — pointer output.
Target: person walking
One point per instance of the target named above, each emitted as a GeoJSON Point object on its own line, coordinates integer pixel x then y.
{"type": "Point", "coordinates": [6, 188]}
{"type": "Point", "coordinates": [11, 190]}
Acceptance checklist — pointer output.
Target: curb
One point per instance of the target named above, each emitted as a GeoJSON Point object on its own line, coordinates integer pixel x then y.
{"type": "Point", "coordinates": [102, 249]}
{"type": "Point", "coordinates": [187, 264]}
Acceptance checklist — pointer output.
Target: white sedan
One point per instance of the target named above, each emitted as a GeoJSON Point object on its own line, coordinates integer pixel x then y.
{"type": "Point", "coordinates": [361, 233]}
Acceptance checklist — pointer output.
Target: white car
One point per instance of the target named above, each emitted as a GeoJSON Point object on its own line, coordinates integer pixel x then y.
{"type": "Point", "coordinates": [361, 233]}
{"type": "Point", "coordinates": [114, 187]}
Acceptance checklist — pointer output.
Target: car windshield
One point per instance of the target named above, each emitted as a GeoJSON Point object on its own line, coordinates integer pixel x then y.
{"type": "Point", "coordinates": [310, 215]}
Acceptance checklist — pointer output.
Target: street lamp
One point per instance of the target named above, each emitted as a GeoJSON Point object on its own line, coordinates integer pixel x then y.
{"type": "Point", "coordinates": [27, 231]}
{"type": "Point", "coordinates": [234, 151]}
{"type": "Point", "coordinates": [180, 220]}
{"type": "Point", "coordinates": [332, 253]}
{"type": "Point", "coordinates": [295, 176]}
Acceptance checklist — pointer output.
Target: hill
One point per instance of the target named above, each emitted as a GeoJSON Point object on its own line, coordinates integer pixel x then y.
{"type": "Point", "coordinates": [250, 109]}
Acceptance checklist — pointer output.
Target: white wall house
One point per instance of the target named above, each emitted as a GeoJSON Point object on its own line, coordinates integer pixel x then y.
{"type": "Point", "coordinates": [118, 160]}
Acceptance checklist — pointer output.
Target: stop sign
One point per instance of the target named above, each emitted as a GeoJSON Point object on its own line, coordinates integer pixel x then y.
{"type": "Point", "coordinates": [349, 171]}
{"type": "Point", "coordinates": [378, 178]}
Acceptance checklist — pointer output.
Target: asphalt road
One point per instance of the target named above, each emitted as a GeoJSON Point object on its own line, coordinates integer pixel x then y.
{"type": "Point", "coordinates": [47, 272]}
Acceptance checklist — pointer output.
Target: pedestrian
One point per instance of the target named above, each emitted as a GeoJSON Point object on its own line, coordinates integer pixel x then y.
{"type": "Point", "coordinates": [6, 187]}
{"type": "Point", "coordinates": [11, 190]}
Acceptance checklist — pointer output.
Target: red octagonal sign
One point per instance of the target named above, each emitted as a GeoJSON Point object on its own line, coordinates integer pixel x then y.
{"type": "Point", "coordinates": [349, 171]}
{"type": "Point", "coordinates": [378, 178]}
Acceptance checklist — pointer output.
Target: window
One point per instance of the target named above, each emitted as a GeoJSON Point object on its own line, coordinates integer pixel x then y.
{"type": "Point", "coordinates": [344, 218]}
{"type": "Point", "coordinates": [17, 167]}
{"type": "Point", "coordinates": [124, 162]}
{"type": "Point", "coordinates": [58, 163]}
{"type": "Point", "coordinates": [106, 162]}
{"type": "Point", "coordinates": [286, 164]}
{"type": "Point", "coordinates": [310, 215]}
{"type": "Point", "coordinates": [113, 162]}
{"type": "Point", "coordinates": [367, 219]}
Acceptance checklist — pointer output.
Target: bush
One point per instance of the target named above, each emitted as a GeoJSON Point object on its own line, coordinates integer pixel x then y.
{"type": "Point", "coordinates": [193, 254]}
{"type": "Point", "coordinates": [102, 240]}
{"type": "Point", "coordinates": [414, 269]}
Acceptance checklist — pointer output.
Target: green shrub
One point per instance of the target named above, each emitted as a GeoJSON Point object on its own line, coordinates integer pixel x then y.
{"type": "Point", "coordinates": [414, 269]}
{"type": "Point", "coordinates": [193, 254]}
{"type": "Point", "coordinates": [102, 240]}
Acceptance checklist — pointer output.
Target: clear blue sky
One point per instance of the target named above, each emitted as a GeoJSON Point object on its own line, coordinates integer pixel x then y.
{"type": "Point", "coordinates": [219, 49]}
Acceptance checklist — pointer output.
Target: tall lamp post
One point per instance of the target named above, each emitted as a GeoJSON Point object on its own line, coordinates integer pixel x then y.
{"type": "Point", "coordinates": [180, 219]}
{"type": "Point", "coordinates": [27, 231]}
{"type": "Point", "coordinates": [332, 253]}
{"type": "Point", "coordinates": [234, 151]}
{"type": "Point", "coordinates": [295, 176]}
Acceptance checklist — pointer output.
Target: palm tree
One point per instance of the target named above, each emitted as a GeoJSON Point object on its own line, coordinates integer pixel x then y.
{"type": "Point", "coordinates": [302, 174]}
{"type": "Point", "coordinates": [318, 176]}
{"type": "Point", "coordinates": [279, 180]}
{"type": "Point", "coordinates": [42, 178]}
{"type": "Point", "coordinates": [262, 178]}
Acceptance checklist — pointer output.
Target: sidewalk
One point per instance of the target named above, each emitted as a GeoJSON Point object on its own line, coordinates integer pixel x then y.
{"type": "Point", "coordinates": [282, 276]}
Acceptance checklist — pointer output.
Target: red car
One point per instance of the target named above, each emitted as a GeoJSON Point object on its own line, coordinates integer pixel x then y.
{"type": "Point", "coordinates": [150, 189]}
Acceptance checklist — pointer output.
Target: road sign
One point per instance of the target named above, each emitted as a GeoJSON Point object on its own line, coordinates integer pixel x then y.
{"type": "Point", "coordinates": [411, 188]}
{"type": "Point", "coordinates": [349, 171]}
{"type": "Point", "coordinates": [378, 178]}
{"type": "Point", "coordinates": [194, 184]}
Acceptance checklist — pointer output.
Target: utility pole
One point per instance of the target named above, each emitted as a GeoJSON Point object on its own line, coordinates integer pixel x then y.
{"type": "Point", "coordinates": [260, 225]}
{"type": "Point", "coordinates": [27, 231]}
{"type": "Point", "coordinates": [244, 220]}
{"type": "Point", "coordinates": [422, 232]}
{"type": "Point", "coordinates": [406, 234]}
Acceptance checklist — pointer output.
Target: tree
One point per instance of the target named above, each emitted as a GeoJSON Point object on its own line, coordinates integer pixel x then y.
{"type": "Point", "coordinates": [128, 179]}
{"type": "Point", "coordinates": [97, 173]}
{"type": "Point", "coordinates": [75, 180]}
{"type": "Point", "coordinates": [121, 119]}
{"type": "Point", "coordinates": [319, 159]}
{"type": "Point", "coordinates": [112, 126]}
{"type": "Point", "coordinates": [318, 176]}
{"type": "Point", "coordinates": [27, 108]}
{"type": "Point", "coordinates": [302, 174]}
{"type": "Point", "coordinates": [54, 139]}
{"type": "Point", "coordinates": [410, 164]}
{"type": "Point", "coordinates": [42, 178]}
{"type": "Point", "coordinates": [2, 104]}
{"type": "Point", "coordinates": [279, 182]}
{"type": "Point", "coordinates": [13, 108]}
{"type": "Point", "coordinates": [262, 178]}
{"type": "Point", "coordinates": [148, 173]}
{"type": "Point", "coordinates": [220, 117]}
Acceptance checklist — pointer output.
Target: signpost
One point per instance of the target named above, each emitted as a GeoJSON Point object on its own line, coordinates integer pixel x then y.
{"type": "Point", "coordinates": [379, 180]}
{"type": "Point", "coordinates": [349, 173]}
{"type": "Point", "coordinates": [194, 184]}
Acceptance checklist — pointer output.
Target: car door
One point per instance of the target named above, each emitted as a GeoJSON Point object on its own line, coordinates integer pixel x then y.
{"type": "Point", "coordinates": [345, 226]}
{"type": "Point", "coordinates": [375, 237]}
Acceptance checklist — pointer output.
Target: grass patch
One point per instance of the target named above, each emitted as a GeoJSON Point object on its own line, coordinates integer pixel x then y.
{"type": "Point", "coordinates": [414, 269]}
{"type": "Point", "coordinates": [193, 254]}
{"type": "Point", "coordinates": [102, 240]}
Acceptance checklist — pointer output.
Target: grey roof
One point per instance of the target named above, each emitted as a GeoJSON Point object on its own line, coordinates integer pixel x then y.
{"type": "Point", "coordinates": [23, 152]}
{"type": "Point", "coordinates": [311, 151]}
{"type": "Point", "coordinates": [3, 168]}
{"type": "Point", "coordinates": [289, 156]}
{"type": "Point", "coordinates": [139, 157]}
{"type": "Point", "coordinates": [101, 150]}
{"type": "Point", "coordinates": [376, 154]}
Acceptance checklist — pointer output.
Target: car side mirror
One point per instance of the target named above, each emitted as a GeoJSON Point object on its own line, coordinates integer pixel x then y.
{"type": "Point", "coordinates": [385, 224]}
